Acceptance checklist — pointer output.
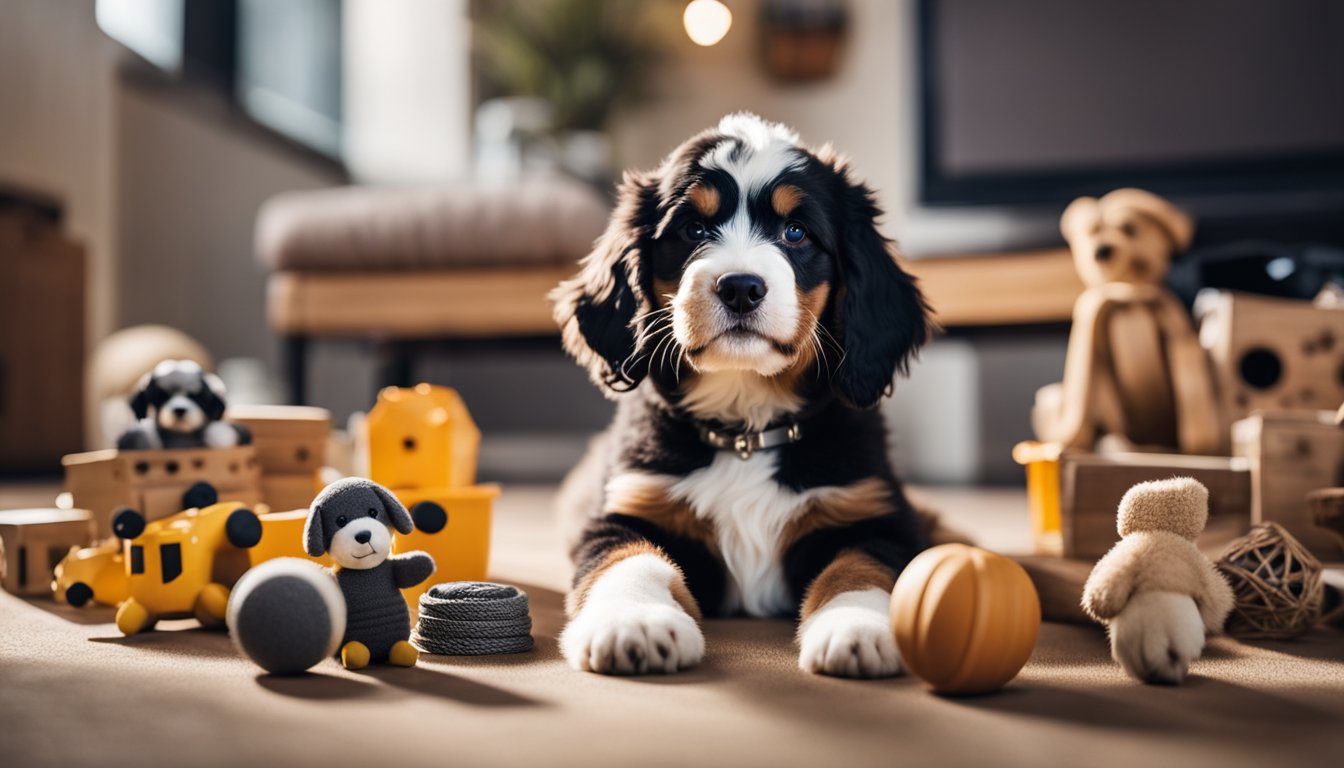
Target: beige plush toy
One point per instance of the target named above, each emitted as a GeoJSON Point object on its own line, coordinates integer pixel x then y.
{"type": "Point", "coordinates": [1157, 594]}
{"type": "Point", "coordinates": [1135, 371]}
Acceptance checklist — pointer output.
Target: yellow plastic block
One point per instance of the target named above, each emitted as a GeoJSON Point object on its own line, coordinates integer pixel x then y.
{"type": "Point", "coordinates": [461, 549]}
{"type": "Point", "coordinates": [1042, 464]}
{"type": "Point", "coordinates": [422, 437]}
{"type": "Point", "coordinates": [282, 536]}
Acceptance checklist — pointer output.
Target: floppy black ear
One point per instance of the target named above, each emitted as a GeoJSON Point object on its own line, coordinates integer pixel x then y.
{"type": "Point", "coordinates": [883, 318]}
{"type": "Point", "coordinates": [597, 308]}
{"type": "Point", "coordinates": [314, 542]}
{"type": "Point", "coordinates": [139, 401]}
{"type": "Point", "coordinates": [401, 519]}
{"type": "Point", "coordinates": [212, 397]}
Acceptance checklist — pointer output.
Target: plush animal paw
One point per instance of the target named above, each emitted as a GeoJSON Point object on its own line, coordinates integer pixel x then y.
{"type": "Point", "coordinates": [403, 654]}
{"type": "Point", "coordinates": [221, 434]}
{"type": "Point", "coordinates": [850, 636]}
{"type": "Point", "coordinates": [1156, 637]}
{"type": "Point", "coordinates": [631, 625]}
{"type": "Point", "coordinates": [354, 655]}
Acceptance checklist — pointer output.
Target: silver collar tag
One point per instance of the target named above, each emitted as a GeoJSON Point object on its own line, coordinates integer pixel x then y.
{"type": "Point", "coordinates": [744, 444]}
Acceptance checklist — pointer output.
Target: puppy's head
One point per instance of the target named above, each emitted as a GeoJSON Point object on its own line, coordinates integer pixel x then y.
{"type": "Point", "coordinates": [745, 260]}
{"type": "Point", "coordinates": [1128, 235]}
{"type": "Point", "coordinates": [353, 519]}
{"type": "Point", "coordinates": [180, 396]}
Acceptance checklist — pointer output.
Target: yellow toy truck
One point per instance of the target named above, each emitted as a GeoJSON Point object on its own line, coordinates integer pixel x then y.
{"type": "Point", "coordinates": [96, 573]}
{"type": "Point", "coordinates": [183, 565]}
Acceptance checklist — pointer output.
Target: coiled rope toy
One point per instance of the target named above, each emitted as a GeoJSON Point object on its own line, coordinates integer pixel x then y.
{"type": "Point", "coordinates": [473, 618]}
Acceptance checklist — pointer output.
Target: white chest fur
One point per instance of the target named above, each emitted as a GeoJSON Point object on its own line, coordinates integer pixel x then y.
{"type": "Point", "coordinates": [749, 510]}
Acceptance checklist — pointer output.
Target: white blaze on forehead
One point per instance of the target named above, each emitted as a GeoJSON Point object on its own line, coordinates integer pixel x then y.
{"type": "Point", "coordinates": [756, 153]}
{"type": "Point", "coordinates": [740, 249]}
{"type": "Point", "coordinates": [178, 375]}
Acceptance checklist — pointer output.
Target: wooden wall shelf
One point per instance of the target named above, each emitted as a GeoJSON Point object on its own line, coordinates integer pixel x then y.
{"type": "Point", "coordinates": [1011, 288]}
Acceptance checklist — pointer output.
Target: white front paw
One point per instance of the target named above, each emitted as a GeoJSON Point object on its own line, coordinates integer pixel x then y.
{"type": "Point", "coordinates": [220, 434]}
{"type": "Point", "coordinates": [850, 636]}
{"type": "Point", "coordinates": [1156, 637]}
{"type": "Point", "coordinates": [626, 637]}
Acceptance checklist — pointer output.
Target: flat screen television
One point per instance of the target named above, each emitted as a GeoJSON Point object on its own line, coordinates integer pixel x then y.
{"type": "Point", "coordinates": [1039, 101]}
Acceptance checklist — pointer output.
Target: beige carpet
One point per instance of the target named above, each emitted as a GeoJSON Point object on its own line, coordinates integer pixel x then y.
{"type": "Point", "coordinates": [73, 692]}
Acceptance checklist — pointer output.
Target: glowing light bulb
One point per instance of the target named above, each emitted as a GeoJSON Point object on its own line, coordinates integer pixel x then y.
{"type": "Point", "coordinates": [707, 21]}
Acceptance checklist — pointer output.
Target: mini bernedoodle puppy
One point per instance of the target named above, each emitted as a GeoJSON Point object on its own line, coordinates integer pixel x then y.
{"type": "Point", "coordinates": [747, 316]}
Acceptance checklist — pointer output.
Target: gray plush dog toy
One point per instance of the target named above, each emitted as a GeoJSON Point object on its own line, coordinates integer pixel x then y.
{"type": "Point", "coordinates": [288, 614]}
{"type": "Point", "coordinates": [353, 519]}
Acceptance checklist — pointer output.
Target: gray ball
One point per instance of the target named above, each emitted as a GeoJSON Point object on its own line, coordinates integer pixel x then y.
{"type": "Point", "coordinates": [287, 615]}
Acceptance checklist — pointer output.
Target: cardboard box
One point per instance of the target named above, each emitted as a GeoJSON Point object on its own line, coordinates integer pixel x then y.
{"type": "Point", "coordinates": [33, 541]}
{"type": "Point", "coordinates": [289, 439]}
{"type": "Point", "coordinates": [1092, 485]}
{"type": "Point", "coordinates": [153, 482]}
{"type": "Point", "coordinates": [1271, 354]}
{"type": "Point", "coordinates": [1292, 453]}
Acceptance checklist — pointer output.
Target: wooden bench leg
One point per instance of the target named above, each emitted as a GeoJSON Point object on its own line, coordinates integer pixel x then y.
{"type": "Point", "coordinates": [396, 364]}
{"type": "Point", "coordinates": [296, 368]}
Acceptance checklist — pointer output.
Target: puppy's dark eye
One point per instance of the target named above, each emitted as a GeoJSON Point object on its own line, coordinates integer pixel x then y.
{"type": "Point", "coordinates": [373, 513]}
{"type": "Point", "coordinates": [1129, 229]}
{"type": "Point", "coordinates": [695, 231]}
{"type": "Point", "coordinates": [794, 233]}
{"type": "Point", "coordinates": [341, 521]}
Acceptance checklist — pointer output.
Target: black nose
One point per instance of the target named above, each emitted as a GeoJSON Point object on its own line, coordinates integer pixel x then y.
{"type": "Point", "coordinates": [1104, 252]}
{"type": "Point", "coordinates": [740, 291]}
{"type": "Point", "coordinates": [363, 537]}
{"type": "Point", "coordinates": [179, 412]}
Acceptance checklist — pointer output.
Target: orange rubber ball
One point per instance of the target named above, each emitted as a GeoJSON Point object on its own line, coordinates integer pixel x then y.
{"type": "Point", "coordinates": [965, 618]}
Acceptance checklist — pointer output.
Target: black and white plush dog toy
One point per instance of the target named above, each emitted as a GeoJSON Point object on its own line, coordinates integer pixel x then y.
{"type": "Point", "coordinates": [178, 405]}
{"type": "Point", "coordinates": [281, 613]}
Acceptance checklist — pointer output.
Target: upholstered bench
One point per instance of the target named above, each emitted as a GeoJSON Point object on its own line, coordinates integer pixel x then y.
{"type": "Point", "coordinates": [406, 265]}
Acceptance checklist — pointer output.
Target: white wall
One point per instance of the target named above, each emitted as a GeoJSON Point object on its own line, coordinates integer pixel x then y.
{"type": "Point", "coordinates": [864, 110]}
{"type": "Point", "coordinates": [869, 111]}
{"type": "Point", "coordinates": [56, 117]}
{"type": "Point", "coordinates": [407, 90]}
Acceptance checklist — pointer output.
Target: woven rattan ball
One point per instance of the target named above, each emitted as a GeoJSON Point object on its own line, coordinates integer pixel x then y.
{"type": "Point", "coordinates": [1277, 584]}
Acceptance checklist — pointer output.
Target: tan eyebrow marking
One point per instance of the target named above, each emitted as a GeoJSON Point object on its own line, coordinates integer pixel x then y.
{"type": "Point", "coordinates": [786, 197]}
{"type": "Point", "coordinates": [705, 198]}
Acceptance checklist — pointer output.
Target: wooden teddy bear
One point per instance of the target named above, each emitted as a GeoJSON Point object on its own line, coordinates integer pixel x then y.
{"type": "Point", "coordinates": [1134, 368]}
{"type": "Point", "coordinates": [1157, 594]}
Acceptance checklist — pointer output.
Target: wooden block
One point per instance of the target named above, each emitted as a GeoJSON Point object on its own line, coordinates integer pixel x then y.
{"type": "Point", "coordinates": [153, 482]}
{"type": "Point", "coordinates": [1292, 454]}
{"type": "Point", "coordinates": [34, 541]}
{"type": "Point", "coordinates": [289, 439]}
{"type": "Point", "coordinates": [1272, 354]}
{"type": "Point", "coordinates": [1091, 486]}
{"type": "Point", "coordinates": [295, 491]}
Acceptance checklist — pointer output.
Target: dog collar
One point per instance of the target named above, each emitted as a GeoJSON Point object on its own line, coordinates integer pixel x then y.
{"type": "Point", "coordinates": [745, 443]}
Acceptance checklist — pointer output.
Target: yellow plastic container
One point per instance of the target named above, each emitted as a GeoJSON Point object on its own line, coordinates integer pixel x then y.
{"type": "Point", "coordinates": [461, 547]}
{"type": "Point", "coordinates": [282, 536]}
{"type": "Point", "coordinates": [422, 437]}
{"type": "Point", "coordinates": [1042, 464]}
